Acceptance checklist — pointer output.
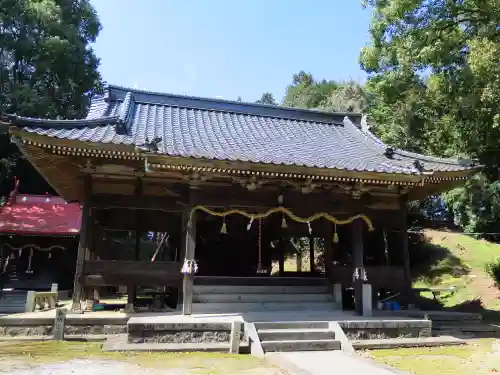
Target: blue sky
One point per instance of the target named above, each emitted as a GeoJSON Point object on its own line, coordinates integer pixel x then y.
{"type": "Point", "coordinates": [228, 48]}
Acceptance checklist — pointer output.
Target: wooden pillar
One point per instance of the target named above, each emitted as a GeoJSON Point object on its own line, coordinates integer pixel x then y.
{"type": "Point", "coordinates": [405, 253]}
{"type": "Point", "coordinates": [311, 254]}
{"type": "Point", "coordinates": [328, 240]}
{"type": "Point", "coordinates": [182, 248]}
{"type": "Point", "coordinates": [299, 260]}
{"type": "Point", "coordinates": [357, 262]}
{"type": "Point", "coordinates": [82, 245]}
{"type": "Point", "coordinates": [189, 252]}
{"type": "Point", "coordinates": [188, 281]}
{"type": "Point", "coordinates": [281, 250]}
{"type": "Point", "coordinates": [132, 288]}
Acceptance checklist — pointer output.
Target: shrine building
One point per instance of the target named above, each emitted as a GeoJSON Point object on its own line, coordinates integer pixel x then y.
{"type": "Point", "coordinates": [180, 192]}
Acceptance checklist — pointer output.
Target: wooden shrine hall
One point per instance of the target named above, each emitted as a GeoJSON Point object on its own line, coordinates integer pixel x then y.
{"type": "Point", "coordinates": [177, 190]}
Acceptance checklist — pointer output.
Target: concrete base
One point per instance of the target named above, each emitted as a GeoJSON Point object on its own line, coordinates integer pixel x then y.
{"type": "Point", "coordinates": [407, 343]}
{"type": "Point", "coordinates": [121, 344]}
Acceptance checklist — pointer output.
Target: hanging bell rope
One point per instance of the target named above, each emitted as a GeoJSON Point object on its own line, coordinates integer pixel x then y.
{"type": "Point", "coordinates": [386, 248]}
{"type": "Point", "coordinates": [29, 271]}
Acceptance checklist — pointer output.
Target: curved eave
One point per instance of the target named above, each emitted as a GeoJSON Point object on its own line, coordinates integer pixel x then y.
{"type": "Point", "coordinates": [164, 162]}
{"type": "Point", "coordinates": [449, 165]}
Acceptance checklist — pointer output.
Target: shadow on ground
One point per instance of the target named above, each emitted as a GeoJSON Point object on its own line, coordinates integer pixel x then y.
{"type": "Point", "coordinates": [431, 262]}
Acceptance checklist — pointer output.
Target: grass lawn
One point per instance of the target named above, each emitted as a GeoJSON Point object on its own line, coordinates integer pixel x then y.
{"type": "Point", "coordinates": [463, 268]}
{"type": "Point", "coordinates": [48, 352]}
{"type": "Point", "coordinates": [477, 358]}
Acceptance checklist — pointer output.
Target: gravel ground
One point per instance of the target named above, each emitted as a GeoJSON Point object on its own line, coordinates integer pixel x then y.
{"type": "Point", "coordinates": [110, 367]}
{"type": "Point", "coordinates": [84, 367]}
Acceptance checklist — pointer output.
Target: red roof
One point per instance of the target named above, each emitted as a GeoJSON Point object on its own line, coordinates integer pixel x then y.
{"type": "Point", "coordinates": [39, 215]}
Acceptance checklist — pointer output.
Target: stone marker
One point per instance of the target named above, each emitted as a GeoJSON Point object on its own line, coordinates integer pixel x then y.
{"type": "Point", "coordinates": [337, 293]}
{"type": "Point", "coordinates": [30, 301]}
{"type": "Point", "coordinates": [59, 324]}
{"type": "Point", "coordinates": [234, 341]}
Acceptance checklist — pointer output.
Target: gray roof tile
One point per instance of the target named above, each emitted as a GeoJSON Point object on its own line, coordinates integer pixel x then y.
{"type": "Point", "coordinates": [223, 130]}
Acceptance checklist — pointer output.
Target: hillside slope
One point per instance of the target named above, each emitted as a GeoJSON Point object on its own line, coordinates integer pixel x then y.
{"type": "Point", "coordinates": [464, 267]}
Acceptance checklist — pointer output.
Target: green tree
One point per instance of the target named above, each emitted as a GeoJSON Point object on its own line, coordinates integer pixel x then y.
{"type": "Point", "coordinates": [347, 97]}
{"type": "Point", "coordinates": [331, 96]}
{"type": "Point", "coordinates": [47, 67]}
{"type": "Point", "coordinates": [267, 98]}
{"type": "Point", "coordinates": [434, 80]}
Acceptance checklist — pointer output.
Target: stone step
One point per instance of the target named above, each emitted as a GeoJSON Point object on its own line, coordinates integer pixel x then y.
{"type": "Point", "coordinates": [140, 325]}
{"type": "Point", "coordinates": [295, 334]}
{"type": "Point", "coordinates": [260, 280]}
{"type": "Point", "coordinates": [259, 326]}
{"type": "Point", "coordinates": [242, 307]}
{"type": "Point", "coordinates": [298, 298]}
{"type": "Point", "coordinates": [120, 344]}
{"type": "Point", "coordinates": [300, 346]}
{"type": "Point", "coordinates": [13, 302]}
{"type": "Point", "coordinates": [261, 289]}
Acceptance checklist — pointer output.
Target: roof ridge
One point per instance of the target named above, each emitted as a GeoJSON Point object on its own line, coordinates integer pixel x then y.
{"type": "Point", "coordinates": [62, 124]}
{"type": "Point", "coordinates": [227, 101]}
{"type": "Point", "coordinates": [361, 135]}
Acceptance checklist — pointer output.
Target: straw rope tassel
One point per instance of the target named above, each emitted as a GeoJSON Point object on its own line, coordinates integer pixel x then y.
{"type": "Point", "coordinates": [223, 230]}
{"type": "Point", "coordinates": [283, 221]}
{"type": "Point", "coordinates": [335, 234]}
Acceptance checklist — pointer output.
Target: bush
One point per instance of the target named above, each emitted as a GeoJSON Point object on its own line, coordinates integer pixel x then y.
{"type": "Point", "coordinates": [493, 269]}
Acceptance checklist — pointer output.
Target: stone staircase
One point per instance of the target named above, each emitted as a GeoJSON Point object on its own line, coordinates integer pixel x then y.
{"type": "Point", "coordinates": [296, 336]}
{"type": "Point", "coordinates": [239, 295]}
{"type": "Point", "coordinates": [12, 302]}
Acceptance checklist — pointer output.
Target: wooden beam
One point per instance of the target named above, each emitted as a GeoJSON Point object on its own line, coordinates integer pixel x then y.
{"type": "Point", "coordinates": [236, 197]}
{"type": "Point", "coordinates": [110, 201]}
{"type": "Point", "coordinates": [82, 246]}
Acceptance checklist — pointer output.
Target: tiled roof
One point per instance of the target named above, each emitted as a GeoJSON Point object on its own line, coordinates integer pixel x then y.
{"type": "Point", "coordinates": [223, 130]}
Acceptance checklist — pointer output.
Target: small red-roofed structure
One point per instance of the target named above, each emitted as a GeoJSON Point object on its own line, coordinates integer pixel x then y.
{"type": "Point", "coordinates": [38, 240]}
{"type": "Point", "coordinates": [39, 215]}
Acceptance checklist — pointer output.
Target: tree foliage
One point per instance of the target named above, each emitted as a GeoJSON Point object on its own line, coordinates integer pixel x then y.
{"type": "Point", "coordinates": [332, 96]}
{"type": "Point", "coordinates": [434, 79]}
{"type": "Point", "coordinates": [47, 67]}
{"type": "Point", "coordinates": [267, 98]}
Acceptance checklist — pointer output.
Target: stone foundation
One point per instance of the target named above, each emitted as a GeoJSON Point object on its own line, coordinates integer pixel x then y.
{"type": "Point", "coordinates": [180, 333]}
{"type": "Point", "coordinates": [368, 330]}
